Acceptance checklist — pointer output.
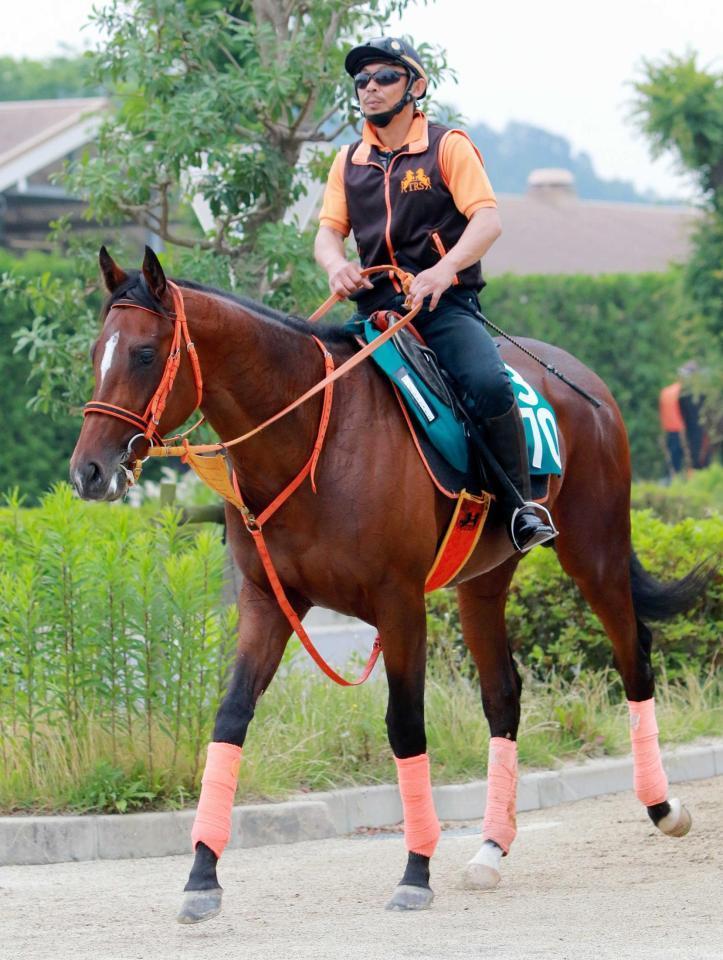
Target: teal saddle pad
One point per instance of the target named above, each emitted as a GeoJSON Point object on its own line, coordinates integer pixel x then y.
{"type": "Point", "coordinates": [438, 420]}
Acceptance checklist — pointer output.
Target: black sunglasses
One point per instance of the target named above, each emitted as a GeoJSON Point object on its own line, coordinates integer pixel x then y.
{"type": "Point", "coordinates": [384, 77]}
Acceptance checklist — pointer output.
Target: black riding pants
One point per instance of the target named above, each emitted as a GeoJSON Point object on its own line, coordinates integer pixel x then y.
{"type": "Point", "coordinates": [466, 351]}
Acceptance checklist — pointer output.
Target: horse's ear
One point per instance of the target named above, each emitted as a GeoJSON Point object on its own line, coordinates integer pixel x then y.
{"type": "Point", "coordinates": [112, 273]}
{"type": "Point", "coordinates": [153, 272]}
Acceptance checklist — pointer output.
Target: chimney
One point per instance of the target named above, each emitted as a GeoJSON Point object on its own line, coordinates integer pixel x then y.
{"type": "Point", "coordinates": [551, 185]}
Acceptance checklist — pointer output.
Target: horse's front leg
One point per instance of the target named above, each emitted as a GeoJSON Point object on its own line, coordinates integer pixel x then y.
{"type": "Point", "coordinates": [403, 632]}
{"type": "Point", "coordinates": [263, 634]}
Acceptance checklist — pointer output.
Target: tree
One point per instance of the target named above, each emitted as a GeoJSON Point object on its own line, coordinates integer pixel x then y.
{"type": "Point", "coordinates": [213, 100]}
{"type": "Point", "coordinates": [27, 79]}
{"type": "Point", "coordinates": [216, 101]}
{"type": "Point", "coordinates": [680, 107]}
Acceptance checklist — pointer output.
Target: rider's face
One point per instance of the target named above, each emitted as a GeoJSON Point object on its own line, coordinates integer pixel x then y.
{"type": "Point", "coordinates": [377, 99]}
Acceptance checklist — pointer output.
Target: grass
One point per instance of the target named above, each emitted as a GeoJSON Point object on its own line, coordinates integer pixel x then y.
{"type": "Point", "coordinates": [309, 735]}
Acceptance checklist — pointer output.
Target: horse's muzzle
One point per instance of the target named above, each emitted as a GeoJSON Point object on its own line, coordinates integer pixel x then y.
{"type": "Point", "coordinates": [93, 482]}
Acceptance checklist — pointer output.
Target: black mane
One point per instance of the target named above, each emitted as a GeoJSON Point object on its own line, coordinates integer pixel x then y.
{"type": "Point", "coordinates": [136, 289]}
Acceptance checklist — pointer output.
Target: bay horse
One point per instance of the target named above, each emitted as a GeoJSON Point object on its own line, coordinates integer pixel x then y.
{"type": "Point", "coordinates": [363, 541]}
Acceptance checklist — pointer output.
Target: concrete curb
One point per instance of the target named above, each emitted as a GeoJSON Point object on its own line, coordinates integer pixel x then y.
{"type": "Point", "coordinates": [39, 840]}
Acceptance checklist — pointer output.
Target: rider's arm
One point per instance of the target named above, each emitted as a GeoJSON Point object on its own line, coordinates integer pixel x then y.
{"type": "Point", "coordinates": [467, 181]}
{"type": "Point", "coordinates": [344, 277]}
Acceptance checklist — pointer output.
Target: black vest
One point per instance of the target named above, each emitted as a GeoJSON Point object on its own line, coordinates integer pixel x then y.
{"type": "Point", "coordinates": [402, 212]}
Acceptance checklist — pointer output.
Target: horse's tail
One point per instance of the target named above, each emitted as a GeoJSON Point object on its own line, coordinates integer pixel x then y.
{"type": "Point", "coordinates": [656, 600]}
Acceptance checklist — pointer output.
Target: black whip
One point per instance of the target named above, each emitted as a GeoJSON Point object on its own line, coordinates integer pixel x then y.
{"type": "Point", "coordinates": [548, 366]}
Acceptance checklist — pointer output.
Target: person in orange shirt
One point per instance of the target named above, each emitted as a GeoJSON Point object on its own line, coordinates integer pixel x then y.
{"type": "Point", "coordinates": [416, 194]}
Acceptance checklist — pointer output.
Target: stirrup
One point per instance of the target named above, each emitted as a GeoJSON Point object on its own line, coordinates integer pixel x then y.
{"type": "Point", "coordinates": [531, 505]}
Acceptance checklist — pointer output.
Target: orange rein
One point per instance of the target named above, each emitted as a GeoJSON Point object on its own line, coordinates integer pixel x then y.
{"type": "Point", "coordinates": [151, 417]}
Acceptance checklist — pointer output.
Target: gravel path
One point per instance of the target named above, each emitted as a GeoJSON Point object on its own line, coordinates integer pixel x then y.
{"type": "Point", "coordinates": [587, 880]}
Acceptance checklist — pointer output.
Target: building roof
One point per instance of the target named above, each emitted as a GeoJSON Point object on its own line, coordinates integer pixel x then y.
{"type": "Point", "coordinates": [36, 133]}
{"type": "Point", "coordinates": [550, 230]}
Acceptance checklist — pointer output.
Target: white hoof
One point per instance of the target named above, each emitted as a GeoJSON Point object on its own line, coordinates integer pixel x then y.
{"type": "Point", "coordinates": [678, 822]}
{"type": "Point", "coordinates": [482, 871]}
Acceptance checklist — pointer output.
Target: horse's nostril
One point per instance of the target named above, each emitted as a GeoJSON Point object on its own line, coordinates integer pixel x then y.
{"type": "Point", "coordinates": [91, 478]}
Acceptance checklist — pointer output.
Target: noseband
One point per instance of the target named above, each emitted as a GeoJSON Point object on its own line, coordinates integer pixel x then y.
{"type": "Point", "coordinates": [147, 422]}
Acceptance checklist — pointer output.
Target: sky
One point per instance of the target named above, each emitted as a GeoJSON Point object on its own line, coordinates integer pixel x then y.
{"type": "Point", "coordinates": [564, 65]}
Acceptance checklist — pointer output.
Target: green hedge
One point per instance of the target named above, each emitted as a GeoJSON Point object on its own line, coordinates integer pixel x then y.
{"type": "Point", "coordinates": [622, 326]}
{"type": "Point", "coordinates": [698, 495]}
{"type": "Point", "coordinates": [36, 447]}
{"type": "Point", "coordinates": [552, 628]}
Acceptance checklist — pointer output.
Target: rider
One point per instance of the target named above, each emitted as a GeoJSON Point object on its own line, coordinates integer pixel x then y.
{"type": "Point", "coordinates": [416, 195]}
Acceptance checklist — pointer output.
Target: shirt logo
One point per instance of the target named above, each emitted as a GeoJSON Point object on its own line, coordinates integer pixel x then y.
{"type": "Point", "coordinates": [416, 181]}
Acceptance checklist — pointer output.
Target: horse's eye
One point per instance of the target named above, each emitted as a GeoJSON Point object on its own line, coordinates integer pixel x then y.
{"type": "Point", "coordinates": [146, 356]}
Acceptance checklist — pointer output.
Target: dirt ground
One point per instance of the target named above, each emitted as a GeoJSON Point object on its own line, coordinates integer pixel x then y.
{"type": "Point", "coordinates": [587, 880]}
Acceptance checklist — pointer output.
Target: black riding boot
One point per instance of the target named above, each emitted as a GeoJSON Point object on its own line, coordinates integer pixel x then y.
{"type": "Point", "coordinates": [528, 523]}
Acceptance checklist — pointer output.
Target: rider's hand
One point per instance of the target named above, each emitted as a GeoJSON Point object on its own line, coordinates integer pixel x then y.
{"type": "Point", "coordinates": [432, 282]}
{"type": "Point", "coordinates": [346, 278]}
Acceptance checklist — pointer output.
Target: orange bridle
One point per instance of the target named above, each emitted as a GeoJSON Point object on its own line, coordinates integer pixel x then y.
{"type": "Point", "coordinates": [149, 420]}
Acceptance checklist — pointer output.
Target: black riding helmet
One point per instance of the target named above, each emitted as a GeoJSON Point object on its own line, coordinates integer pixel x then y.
{"type": "Point", "coordinates": [388, 50]}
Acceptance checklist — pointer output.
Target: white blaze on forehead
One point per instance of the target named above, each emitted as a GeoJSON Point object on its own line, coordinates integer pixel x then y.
{"type": "Point", "coordinates": [108, 354]}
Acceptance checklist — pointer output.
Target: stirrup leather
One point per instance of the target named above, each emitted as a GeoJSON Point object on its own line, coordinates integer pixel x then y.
{"type": "Point", "coordinates": [526, 505]}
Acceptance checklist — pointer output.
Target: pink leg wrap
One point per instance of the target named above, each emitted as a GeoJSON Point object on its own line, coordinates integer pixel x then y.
{"type": "Point", "coordinates": [651, 783]}
{"type": "Point", "coordinates": [212, 825]}
{"type": "Point", "coordinates": [421, 826]}
{"type": "Point", "coordinates": [500, 822]}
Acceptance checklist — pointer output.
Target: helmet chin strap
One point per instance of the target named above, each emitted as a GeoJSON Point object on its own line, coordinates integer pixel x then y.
{"type": "Point", "coordinates": [384, 119]}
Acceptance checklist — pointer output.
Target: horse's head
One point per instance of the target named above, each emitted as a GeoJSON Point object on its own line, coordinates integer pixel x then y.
{"type": "Point", "coordinates": [129, 361]}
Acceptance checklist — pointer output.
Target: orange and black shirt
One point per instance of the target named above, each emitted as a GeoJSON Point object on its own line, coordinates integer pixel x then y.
{"type": "Point", "coordinates": [407, 207]}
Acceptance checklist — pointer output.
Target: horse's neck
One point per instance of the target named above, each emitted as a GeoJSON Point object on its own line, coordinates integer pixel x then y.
{"type": "Point", "coordinates": [252, 368]}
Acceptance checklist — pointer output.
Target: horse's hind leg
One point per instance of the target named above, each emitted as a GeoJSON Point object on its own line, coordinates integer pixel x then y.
{"type": "Point", "coordinates": [263, 634]}
{"type": "Point", "coordinates": [402, 628]}
{"type": "Point", "coordinates": [482, 613]}
{"type": "Point", "coordinates": [603, 574]}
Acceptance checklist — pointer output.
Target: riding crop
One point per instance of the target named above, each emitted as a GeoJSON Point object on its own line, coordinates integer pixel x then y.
{"type": "Point", "coordinates": [548, 366]}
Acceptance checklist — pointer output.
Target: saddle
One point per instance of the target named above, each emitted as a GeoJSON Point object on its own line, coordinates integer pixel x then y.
{"type": "Point", "coordinates": [438, 420]}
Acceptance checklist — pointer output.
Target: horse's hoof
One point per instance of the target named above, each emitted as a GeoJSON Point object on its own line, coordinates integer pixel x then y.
{"type": "Point", "coordinates": [407, 897]}
{"type": "Point", "coordinates": [482, 871]}
{"type": "Point", "coordinates": [481, 876]}
{"type": "Point", "coordinates": [200, 905]}
{"type": "Point", "coordinates": [676, 823]}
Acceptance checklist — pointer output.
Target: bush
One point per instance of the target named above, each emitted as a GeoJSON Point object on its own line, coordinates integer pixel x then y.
{"type": "Point", "coordinates": [115, 646]}
{"type": "Point", "coordinates": [698, 495]}
{"type": "Point", "coordinates": [622, 326]}
{"type": "Point", "coordinates": [614, 324]}
{"type": "Point", "coordinates": [37, 446]}
{"type": "Point", "coordinates": [111, 625]}
{"type": "Point", "coordinates": [552, 628]}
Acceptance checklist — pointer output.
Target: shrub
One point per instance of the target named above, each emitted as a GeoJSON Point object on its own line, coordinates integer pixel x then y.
{"type": "Point", "coordinates": [552, 628]}
{"type": "Point", "coordinates": [614, 324]}
{"type": "Point", "coordinates": [698, 495]}
{"type": "Point", "coordinates": [37, 445]}
{"type": "Point", "coordinates": [110, 620]}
